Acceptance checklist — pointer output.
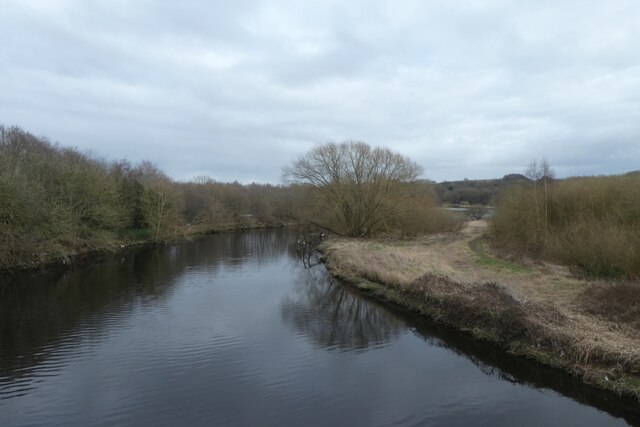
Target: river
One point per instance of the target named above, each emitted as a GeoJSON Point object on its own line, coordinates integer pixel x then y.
{"type": "Point", "coordinates": [233, 330]}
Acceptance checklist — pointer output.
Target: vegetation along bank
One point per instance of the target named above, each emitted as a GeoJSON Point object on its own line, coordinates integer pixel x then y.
{"type": "Point", "coordinates": [588, 327]}
{"type": "Point", "coordinates": [57, 202]}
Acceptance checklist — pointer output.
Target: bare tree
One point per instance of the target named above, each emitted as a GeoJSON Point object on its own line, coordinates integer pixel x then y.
{"type": "Point", "coordinates": [533, 173]}
{"type": "Point", "coordinates": [158, 200]}
{"type": "Point", "coordinates": [541, 173]}
{"type": "Point", "coordinates": [358, 186]}
{"type": "Point", "coordinates": [547, 177]}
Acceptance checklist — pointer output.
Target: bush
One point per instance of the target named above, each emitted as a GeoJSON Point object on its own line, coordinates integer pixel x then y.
{"type": "Point", "coordinates": [419, 213]}
{"type": "Point", "coordinates": [592, 223]}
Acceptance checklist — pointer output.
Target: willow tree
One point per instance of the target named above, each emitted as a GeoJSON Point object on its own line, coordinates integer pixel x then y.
{"type": "Point", "coordinates": [356, 189]}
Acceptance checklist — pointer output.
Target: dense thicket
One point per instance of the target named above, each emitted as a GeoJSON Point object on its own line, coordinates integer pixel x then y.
{"type": "Point", "coordinates": [591, 222]}
{"type": "Point", "coordinates": [56, 200]}
{"type": "Point", "coordinates": [476, 191]}
{"type": "Point", "coordinates": [356, 190]}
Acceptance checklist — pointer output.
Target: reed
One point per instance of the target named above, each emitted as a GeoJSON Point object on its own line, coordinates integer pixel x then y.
{"type": "Point", "coordinates": [592, 223]}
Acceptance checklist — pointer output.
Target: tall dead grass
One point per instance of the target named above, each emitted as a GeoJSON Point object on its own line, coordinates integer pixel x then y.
{"type": "Point", "coordinates": [592, 223]}
{"type": "Point", "coordinates": [618, 302]}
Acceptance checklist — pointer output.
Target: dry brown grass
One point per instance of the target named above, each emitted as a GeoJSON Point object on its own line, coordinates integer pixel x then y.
{"type": "Point", "coordinates": [538, 311]}
{"type": "Point", "coordinates": [379, 261]}
{"type": "Point", "coordinates": [618, 302]}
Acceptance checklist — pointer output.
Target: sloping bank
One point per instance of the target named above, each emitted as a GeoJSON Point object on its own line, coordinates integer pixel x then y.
{"type": "Point", "coordinates": [537, 311]}
{"type": "Point", "coordinates": [80, 253]}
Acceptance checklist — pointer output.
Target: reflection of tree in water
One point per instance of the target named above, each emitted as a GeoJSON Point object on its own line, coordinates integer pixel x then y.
{"type": "Point", "coordinates": [62, 309]}
{"type": "Point", "coordinates": [235, 249]}
{"type": "Point", "coordinates": [334, 316]}
{"type": "Point", "coordinates": [40, 313]}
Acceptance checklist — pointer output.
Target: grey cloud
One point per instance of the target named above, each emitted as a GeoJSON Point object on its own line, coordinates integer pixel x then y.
{"type": "Point", "coordinates": [235, 90]}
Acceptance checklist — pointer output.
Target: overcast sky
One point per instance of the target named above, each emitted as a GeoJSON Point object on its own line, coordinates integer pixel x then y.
{"type": "Point", "coordinates": [237, 89]}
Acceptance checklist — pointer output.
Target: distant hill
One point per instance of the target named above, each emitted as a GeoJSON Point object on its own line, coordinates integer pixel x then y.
{"type": "Point", "coordinates": [476, 191]}
{"type": "Point", "coordinates": [484, 191]}
{"type": "Point", "coordinates": [515, 177]}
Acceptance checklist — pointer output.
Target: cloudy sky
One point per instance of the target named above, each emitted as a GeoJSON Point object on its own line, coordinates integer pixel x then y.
{"type": "Point", "coordinates": [237, 89]}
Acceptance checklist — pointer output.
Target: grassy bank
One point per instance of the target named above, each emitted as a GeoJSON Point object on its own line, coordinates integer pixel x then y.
{"type": "Point", "coordinates": [539, 311]}
{"type": "Point", "coordinates": [127, 239]}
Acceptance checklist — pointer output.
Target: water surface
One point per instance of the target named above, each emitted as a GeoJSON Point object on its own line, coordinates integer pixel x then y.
{"type": "Point", "coordinates": [233, 330]}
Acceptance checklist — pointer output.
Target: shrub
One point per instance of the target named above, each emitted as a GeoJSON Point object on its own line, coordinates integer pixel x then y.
{"type": "Point", "coordinates": [592, 223]}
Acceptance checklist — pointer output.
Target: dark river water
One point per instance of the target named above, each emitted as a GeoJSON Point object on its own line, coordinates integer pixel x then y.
{"type": "Point", "coordinates": [233, 330]}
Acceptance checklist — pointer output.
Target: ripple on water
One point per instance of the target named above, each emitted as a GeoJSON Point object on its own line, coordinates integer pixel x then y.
{"type": "Point", "coordinates": [187, 336]}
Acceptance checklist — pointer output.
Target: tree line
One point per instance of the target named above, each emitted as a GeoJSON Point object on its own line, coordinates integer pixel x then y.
{"type": "Point", "coordinates": [477, 191]}
{"type": "Point", "coordinates": [57, 200]}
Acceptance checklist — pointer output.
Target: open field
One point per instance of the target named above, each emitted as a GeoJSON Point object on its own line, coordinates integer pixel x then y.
{"type": "Point", "coordinates": [538, 310]}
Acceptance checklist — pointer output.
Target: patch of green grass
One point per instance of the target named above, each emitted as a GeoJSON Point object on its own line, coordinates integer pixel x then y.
{"type": "Point", "coordinates": [136, 234]}
{"type": "Point", "coordinates": [478, 247]}
{"type": "Point", "coordinates": [377, 246]}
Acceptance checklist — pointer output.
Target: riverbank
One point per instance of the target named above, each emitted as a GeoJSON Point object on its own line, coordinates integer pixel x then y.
{"type": "Point", "coordinates": [540, 311]}
{"type": "Point", "coordinates": [86, 253]}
